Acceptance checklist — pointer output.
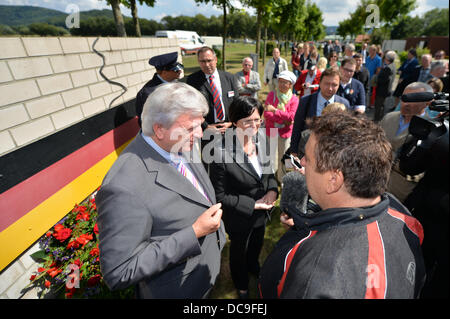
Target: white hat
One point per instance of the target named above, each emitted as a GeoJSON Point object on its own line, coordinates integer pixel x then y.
{"type": "Point", "coordinates": [288, 75]}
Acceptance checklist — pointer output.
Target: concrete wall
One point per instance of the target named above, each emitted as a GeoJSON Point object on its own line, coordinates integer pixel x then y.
{"type": "Point", "coordinates": [48, 84]}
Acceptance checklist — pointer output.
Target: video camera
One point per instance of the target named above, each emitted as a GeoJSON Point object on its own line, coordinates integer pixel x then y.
{"type": "Point", "coordinates": [427, 135]}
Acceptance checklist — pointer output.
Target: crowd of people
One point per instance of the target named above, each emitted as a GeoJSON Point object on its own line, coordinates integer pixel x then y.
{"type": "Point", "coordinates": [211, 158]}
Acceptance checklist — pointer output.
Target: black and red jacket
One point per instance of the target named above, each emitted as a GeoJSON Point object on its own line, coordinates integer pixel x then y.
{"type": "Point", "coordinates": [370, 252]}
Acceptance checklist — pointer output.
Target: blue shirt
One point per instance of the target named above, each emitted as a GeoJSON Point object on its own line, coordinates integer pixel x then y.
{"type": "Point", "coordinates": [373, 64]}
{"type": "Point", "coordinates": [321, 103]}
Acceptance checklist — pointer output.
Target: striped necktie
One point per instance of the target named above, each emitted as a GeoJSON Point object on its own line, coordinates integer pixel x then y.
{"type": "Point", "coordinates": [188, 174]}
{"type": "Point", "coordinates": [216, 98]}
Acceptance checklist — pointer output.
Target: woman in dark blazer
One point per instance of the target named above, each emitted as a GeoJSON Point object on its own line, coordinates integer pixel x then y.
{"type": "Point", "coordinates": [246, 186]}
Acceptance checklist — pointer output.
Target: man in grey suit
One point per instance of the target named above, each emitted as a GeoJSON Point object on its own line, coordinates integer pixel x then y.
{"type": "Point", "coordinates": [396, 125]}
{"type": "Point", "coordinates": [248, 81]}
{"type": "Point", "coordinates": [159, 225]}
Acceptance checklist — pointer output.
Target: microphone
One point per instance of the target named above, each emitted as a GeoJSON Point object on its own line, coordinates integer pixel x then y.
{"type": "Point", "coordinates": [418, 97]}
{"type": "Point", "coordinates": [294, 194]}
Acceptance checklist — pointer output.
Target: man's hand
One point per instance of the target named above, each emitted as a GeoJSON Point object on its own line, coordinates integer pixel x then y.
{"type": "Point", "coordinates": [208, 222]}
{"type": "Point", "coordinates": [286, 221]}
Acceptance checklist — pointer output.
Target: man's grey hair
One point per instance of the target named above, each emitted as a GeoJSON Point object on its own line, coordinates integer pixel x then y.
{"type": "Point", "coordinates": [390, 56]}
{"type": "Point", "coordinates": [247, 58]}
{"type": "Point", "coordinates": [168, 102]}
{"type": "Point", "coordinates": [437, 65]}
{"type": "Point", "coordinates": [350, 46]}
{"type": "Point", "coordinates": [419, 85]}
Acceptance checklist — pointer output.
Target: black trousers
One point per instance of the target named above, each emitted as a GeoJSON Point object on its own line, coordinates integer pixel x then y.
{"type": "Point", "coordinates": [244, 253]}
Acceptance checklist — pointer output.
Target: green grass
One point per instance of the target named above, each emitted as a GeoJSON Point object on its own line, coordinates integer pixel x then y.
{"type": "Point", "coordinates": [224, 288]}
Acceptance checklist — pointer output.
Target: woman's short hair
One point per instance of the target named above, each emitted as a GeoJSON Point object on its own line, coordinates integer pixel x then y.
{"type": "Point", "coordinates": [356, 146]}
{"type": "Point", "coordinates": [334, 107]}
{"type": "Point", "coordinates": [322, 63]}
{"type": "Point", "coordinates": [244, 106]}
{"type": "Point", "coordinates": [168, 102]}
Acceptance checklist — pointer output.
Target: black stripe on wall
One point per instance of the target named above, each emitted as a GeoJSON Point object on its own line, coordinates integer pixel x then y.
{"type": "Point", "coordinates": [23, 163]}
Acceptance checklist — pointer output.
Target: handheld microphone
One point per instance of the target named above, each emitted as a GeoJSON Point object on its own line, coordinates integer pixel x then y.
{"type": "Point", "coordinates": [294, 194]}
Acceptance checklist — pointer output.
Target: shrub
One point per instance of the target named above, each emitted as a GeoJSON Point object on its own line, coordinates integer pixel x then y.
{"type": "Point", "coordinates": [70, 265]}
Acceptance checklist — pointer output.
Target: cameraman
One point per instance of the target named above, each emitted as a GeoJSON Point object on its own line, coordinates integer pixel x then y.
{"type": "Point", "coordinates": [395, 125]}
{"type": "Point", "coordinates": [429, 201]}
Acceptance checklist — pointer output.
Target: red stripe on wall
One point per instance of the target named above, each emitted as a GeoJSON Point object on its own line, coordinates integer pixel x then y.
{"type": "Point", "coordinates": [412, 223]}
{"type": "Point", "coordinates": [288, 261]}
{"type": "Point", "coordinates": [20, 199]}
{"type": "Point", "coordinates": [376, 268]}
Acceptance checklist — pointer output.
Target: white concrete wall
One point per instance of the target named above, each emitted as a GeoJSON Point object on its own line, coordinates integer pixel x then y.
{"type": "Point", "coordinates": [50, 83]}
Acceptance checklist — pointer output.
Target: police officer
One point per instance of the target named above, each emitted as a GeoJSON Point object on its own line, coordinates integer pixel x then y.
{"type": "Point", "coordinates": [168, 69]}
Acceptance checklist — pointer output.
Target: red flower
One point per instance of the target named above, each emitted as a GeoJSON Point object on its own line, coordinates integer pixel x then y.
{"type": "Point", "coordinates": [61, 233]}
{"type": "Point", "coordinates": [32, 277]}
{"type": "Point", "coordinates": [79, 209]}
{"type": "Point", "coordinates": [73, 244]}
{"type": "Point", "coordinates": [47, 284]}
{"type": "Point", "coordinates": [77, 262]}
{"type": "Point", "coordinates": [93, 204]}
{"type": "Point", "coordinates": [53, 271]}
{"type": "Point", "coordinates": [94, 252]}
{"type": "Point", "coordinates": [94, 280]}
{"type": "Point", "coordinates": [84, 239]}
{"type": "Point", "coordinates": [40, 269]}
{"type": "Point", "coordinates": [96, 228]}
{"type": "Point", "coordinates": [82, 216]}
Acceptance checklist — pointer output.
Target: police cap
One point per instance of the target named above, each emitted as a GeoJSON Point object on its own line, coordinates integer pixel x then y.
{"type": "Point", "coordinates": [166, 62]}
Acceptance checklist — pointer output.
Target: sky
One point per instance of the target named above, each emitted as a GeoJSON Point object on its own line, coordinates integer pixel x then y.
{"type": "Point", "coordinates": [333, 11]}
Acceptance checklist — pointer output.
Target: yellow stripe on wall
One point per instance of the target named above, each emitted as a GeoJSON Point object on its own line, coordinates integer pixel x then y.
{"type": "Point", "coordinates": [18, 237]}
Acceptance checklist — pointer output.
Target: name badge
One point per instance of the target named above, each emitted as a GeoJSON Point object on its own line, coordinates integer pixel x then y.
{"type": "Point", "coordinates": [230, 93]}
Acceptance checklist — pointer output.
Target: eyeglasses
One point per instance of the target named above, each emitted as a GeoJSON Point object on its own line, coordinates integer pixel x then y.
{"type": "Point", "coordinates": [250, 122]}
{"type": "Point", "coordinates": [348, 70]}
{"type": "Point", "coordinates": [206, 61]}
{"type": "Point", "coordinates": [334, 56]}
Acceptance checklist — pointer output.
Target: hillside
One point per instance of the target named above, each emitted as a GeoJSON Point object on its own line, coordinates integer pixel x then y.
{"type": "Point", "coordinates": [26, 15]}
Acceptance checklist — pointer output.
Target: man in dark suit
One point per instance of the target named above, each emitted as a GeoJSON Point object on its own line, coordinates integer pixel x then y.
{"type": "Point", "coordinates": [312, 105]}
{"type": "Point", "coordinates": [361, 73]}
{"type": "Point", "coordinates": [168, 69]}
{"type": "Point", "coordinates": [385, 79]}
{"type": "Point", "coordinates": [159, 225]}
{"type": "Point", "coordinates": [351, 88]}
{"type": "Point", "coordinates": [225, 83]}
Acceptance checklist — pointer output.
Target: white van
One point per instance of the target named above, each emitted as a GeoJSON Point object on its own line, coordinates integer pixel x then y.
{"type": "Point", "coordinates": [189, 41]}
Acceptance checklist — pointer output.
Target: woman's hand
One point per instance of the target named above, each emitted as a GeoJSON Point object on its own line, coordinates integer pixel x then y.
{"type": "Point", "coordinates": [270, 108]}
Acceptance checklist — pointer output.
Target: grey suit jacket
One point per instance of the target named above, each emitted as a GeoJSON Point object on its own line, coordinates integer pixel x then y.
{"type": "Point", "coordinates": [253, 86]}
{"type": "Point", "coordinates": [146, 211]}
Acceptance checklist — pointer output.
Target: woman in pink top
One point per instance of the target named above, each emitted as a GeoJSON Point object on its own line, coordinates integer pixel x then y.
{"type": "Point", "coordinates": [280, 108]}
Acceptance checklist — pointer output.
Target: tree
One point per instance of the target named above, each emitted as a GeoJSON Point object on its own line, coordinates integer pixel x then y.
{"type": "Point", "coordinates": [118, 18]}
{"type": "Point", "coordinates": [224, 4]}
{"type": "Point", "coordinates": [132, 5]}
{"type": "Point", "coordinates": [436, 22]}
{"type": "Point", "coordinates": [314, 28]}
{"type": "Point", "coordinates": [288, 17]}
{"type": "Point", "coordinates": [263, 9]}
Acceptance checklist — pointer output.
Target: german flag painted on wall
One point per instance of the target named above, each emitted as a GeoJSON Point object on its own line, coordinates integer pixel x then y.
{"type": "Point", "coordinates": [41, 182]}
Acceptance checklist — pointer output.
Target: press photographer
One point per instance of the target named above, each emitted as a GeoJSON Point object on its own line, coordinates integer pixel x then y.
{"type": "Point", "coordinates": [426, 152]}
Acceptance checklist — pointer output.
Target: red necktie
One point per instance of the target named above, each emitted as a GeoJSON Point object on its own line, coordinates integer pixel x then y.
{"type": "Point", "coordinates": [216, 98]}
